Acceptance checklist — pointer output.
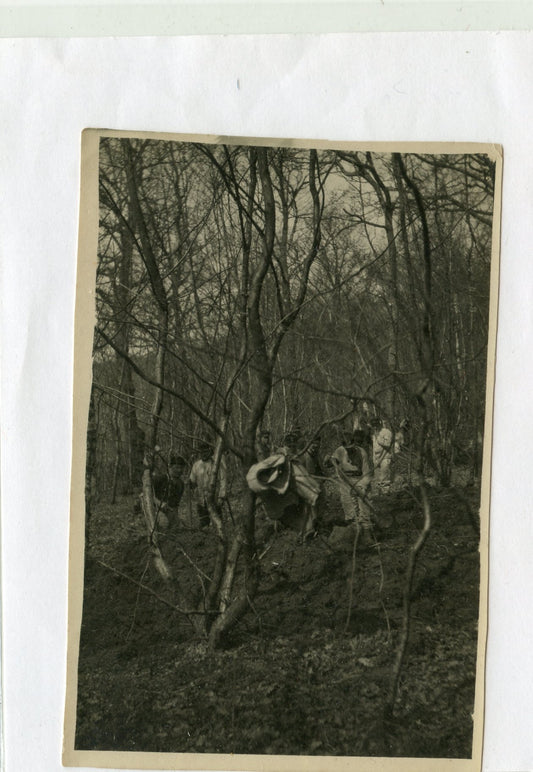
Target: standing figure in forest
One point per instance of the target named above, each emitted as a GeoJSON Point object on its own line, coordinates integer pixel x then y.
{"type": "Point", "coordinates": [168, 490]}
{"type": "Point", "coordinates": [382, 454]}
{"type": "Point", "coordinates": [362, 421]}
{"type": "Point", "coordinates": [201, 478]}
{"type": "Point", "coordinates": [310, 461]}
{"type": "Point", "coordinates": [351, 461]}
{"type": "Point", "coordinates": [401, 456]}
{"type": "Point", "coordinates": [310, 458]}
{"type": "Point", "coordinates": [400, 437]}
{"type": "Point", "coordinates": [264, 445]}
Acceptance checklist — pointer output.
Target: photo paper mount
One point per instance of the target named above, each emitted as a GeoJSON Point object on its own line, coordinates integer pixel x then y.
{"type": "Point", "coordinates": [84, 324]}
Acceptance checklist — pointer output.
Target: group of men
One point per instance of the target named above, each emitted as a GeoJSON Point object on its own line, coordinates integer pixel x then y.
{"type": "Point", "coordinates": [169, 485]}
{"type": "Point", "coordinates": [361, 465]}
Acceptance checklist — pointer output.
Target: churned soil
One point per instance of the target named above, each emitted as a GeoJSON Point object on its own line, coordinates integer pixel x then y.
{"type": "Point", "coordinates": [308, 669]}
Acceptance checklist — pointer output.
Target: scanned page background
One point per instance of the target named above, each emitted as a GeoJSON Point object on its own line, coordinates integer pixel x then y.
{"type": "Point", "coordinates": [440, 87]}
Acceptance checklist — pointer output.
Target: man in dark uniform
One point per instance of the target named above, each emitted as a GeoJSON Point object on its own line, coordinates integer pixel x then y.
{"type": "Point", "coordinates": [264, 445]}
{"type": "Point", "coordinates": [168, 490]}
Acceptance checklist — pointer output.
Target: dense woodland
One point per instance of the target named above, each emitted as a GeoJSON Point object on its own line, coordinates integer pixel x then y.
{"type": "Point", "coordinates": [244, 288]}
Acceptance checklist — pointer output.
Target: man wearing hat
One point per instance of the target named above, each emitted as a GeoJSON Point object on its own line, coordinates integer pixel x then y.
{"type": "Point", "coordinates": [352, 463]}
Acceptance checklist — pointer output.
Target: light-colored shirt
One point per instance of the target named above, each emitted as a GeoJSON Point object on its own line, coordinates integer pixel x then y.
{"type": "Point", "coordinates": [342, 457]}
{"type": "Point", "coordinates": [310, 462]}
{"type": "Point", "coordinates": [363, 476]}
{"type": "Point", "coordinates": [202, 477]}
{"type": "Point", "coordinates": [381, 446]}
{"type": "Point", "coordinates": [399, 440]}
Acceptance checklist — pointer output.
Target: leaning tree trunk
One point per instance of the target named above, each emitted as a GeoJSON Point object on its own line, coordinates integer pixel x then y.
{"type": "Point", "coordinates": [125, 419]}
{"type": "Point", "coordinates": [253, 353]}
{"type": "Point", "coordinates": [158, 288]}
{"type": "Point", "coordinates": [150, 509]}
{"type": "Point", "coordinates": [210, 600]}
{"type": "Point", "coordinates": [262, 359]}
{"type": "Point", "coordinates": [406, 608]}
{"type": "Point", "coordinates": [242, 545]}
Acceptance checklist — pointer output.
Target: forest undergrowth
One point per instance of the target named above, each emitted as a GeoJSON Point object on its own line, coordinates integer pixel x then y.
{"type": "Point", "coordinates": [303, 673]}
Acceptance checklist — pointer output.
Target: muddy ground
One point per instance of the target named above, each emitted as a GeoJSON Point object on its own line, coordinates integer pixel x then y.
{"type": "Point", "coordinates": [303, 673]}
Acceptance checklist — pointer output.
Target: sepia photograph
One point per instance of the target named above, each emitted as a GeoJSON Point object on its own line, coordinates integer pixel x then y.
{"type": "Point", "coordinates": [282, 443]}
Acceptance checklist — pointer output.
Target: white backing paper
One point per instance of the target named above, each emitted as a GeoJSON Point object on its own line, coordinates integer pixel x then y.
{"type": "Point", "coordinates": [368, 87]}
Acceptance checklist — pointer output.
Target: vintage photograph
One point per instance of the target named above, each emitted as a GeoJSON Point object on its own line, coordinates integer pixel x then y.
{"type": "Point", "coordinates": [280, 504]}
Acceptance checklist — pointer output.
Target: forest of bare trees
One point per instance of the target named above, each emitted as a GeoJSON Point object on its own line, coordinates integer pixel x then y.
{"type": "Point", "coordinates": [244, 288]}
{"type": "Point", "coordinates": [241, 287]}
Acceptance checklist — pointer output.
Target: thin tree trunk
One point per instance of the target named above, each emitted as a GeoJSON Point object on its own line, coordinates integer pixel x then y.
{"type": "Point", "coordinates": [150, 262]}
{"type": "Point", "coordinates": [90, 467]}
{"type": "Point", "coordinates": [261, 360]}
{"type": "Point", "coordinates": [116, 465]}
{"type": "Point", "coordinates": [406, 618]}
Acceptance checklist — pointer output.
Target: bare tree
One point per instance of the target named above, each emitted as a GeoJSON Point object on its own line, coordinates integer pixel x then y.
{"type": "Point", "coordinates": [249, 286]}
